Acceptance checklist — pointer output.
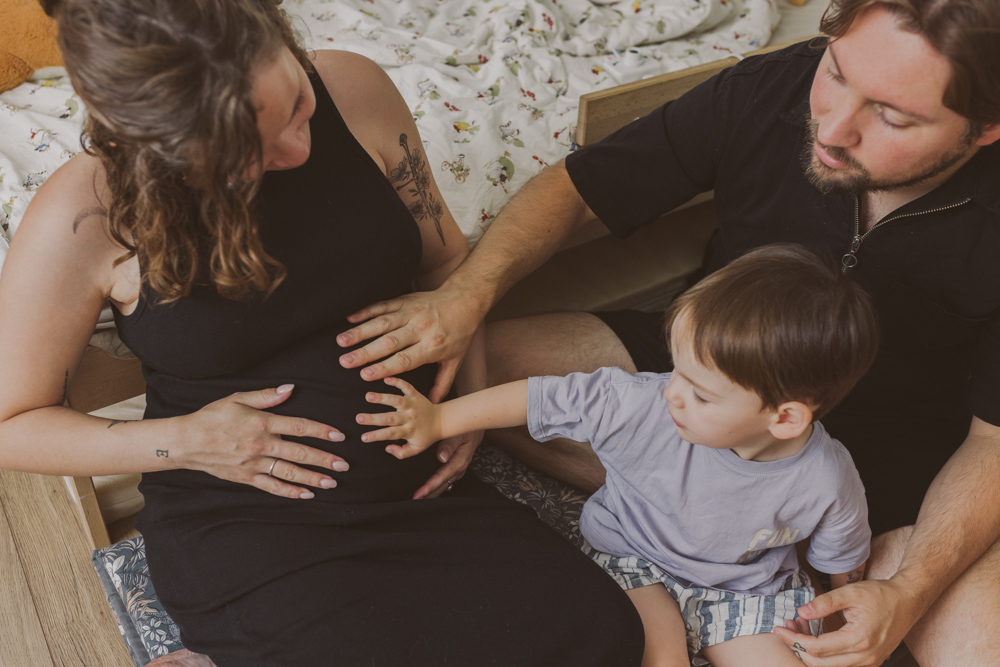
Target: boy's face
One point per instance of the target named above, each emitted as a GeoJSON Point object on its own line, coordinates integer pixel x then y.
{"type": "Point", "coordinates": [709, 408]}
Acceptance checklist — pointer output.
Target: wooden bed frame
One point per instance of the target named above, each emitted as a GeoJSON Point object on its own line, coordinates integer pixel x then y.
{"type": "Point", "coordinates": [643, 272]}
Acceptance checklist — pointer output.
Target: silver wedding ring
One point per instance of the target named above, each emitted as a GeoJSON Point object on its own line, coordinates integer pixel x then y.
{"type": "Point", "coordinates": [450, 487]}
{"type": "Point", "coordinates": [270, 471]}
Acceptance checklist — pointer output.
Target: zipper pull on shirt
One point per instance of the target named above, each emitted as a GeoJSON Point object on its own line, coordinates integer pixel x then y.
{"type": "Point", "coordinates": [850, 259]}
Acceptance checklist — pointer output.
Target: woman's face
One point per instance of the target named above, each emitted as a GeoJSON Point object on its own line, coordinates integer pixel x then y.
{"type": "Point", "coordinates": [284, 100]}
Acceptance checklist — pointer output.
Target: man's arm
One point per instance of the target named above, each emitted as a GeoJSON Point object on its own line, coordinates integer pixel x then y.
{"type": "Point", "coordinates": [958, 521]}
{"type": "Point", "coordinates": [438, 326]}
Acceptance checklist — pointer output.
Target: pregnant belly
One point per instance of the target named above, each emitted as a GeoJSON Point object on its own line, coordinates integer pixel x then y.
{"type": "Point", "coordinates": [323, 392]}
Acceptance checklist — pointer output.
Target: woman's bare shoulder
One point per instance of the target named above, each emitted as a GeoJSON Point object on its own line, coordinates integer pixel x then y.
{"type": "Point", "coordinates": [367, 99]}
{"type": "Point", "coordinates": [74, 195]}
{"type": "Point", "coordinates": [66, 221]}
{"type": "Point", "coordinates": [351, 78]}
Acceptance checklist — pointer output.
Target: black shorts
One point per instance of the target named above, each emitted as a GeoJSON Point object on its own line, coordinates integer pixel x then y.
{"type": "Point", "coordinates": [897, 454]}
{"type": "Point", "coordinates": [644, 336]}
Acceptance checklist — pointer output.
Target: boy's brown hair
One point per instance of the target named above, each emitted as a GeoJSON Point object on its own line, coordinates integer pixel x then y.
{"type": "Point", "coordinates": [783, 324]}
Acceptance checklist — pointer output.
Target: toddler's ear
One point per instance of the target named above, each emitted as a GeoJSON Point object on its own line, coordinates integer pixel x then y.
{"type": "Point", "coordinates": [790, 420]}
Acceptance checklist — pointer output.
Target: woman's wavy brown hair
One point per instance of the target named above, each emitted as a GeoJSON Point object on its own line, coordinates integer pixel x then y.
{"type": "Point", "coordinates": [167, 85]}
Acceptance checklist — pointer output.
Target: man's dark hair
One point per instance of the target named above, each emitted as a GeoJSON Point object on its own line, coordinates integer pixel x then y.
{"type": "Point", "coordinates": [965, 32]}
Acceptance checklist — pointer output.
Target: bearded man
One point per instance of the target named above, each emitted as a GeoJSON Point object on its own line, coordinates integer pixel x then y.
{"type": "Point", "coordinates": [877, 146]}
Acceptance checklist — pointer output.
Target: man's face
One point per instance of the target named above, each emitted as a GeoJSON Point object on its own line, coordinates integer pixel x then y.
{"type": "Point", "coordinates": [878, 121]}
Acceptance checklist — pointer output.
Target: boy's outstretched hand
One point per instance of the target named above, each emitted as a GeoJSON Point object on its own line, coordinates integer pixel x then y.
{"type": "Point", "coordinates": [416, 420]}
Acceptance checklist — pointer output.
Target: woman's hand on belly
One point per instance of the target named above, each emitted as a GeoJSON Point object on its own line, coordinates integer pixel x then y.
{"type": "Point", "coordinates": [233, 439]}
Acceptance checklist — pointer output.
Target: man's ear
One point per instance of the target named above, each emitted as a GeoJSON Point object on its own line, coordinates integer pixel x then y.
{"type": "Point", "coordinates": [790, 420]}
{"type": "Point", "coordinates": [990, 134]}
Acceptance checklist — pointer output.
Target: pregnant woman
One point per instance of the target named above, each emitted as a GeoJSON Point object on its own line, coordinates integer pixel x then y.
{"type": "Point", "coordinates": [239, 198]}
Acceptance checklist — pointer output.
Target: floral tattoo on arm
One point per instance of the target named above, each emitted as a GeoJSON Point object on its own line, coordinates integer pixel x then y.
{"type": "Point", "coordinates": [412, 172]}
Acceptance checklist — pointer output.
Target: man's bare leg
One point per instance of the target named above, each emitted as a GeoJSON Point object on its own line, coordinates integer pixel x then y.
{"type": "Point", "coordinates": [553, 344]}
{"type": "Point", "coordinates": [962, 626]}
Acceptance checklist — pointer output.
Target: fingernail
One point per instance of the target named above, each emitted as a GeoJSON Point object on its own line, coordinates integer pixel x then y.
{"type": "Point", "coordinates": [336, 436]}
{"type": "Point", "coordinates": [367, 373]}
{"type": "Point", "coordinates": [306, 495]}
{"type": "Point", "coordinates": [340, 466]}
{"type": "Point", "coordinates": [364, 438]}
{"type": "Point", "coordinates": [285, 388]}
{"type": "Point", "coordinates": [343, 339]}
{"type": "Point", "coordinates": [347, 359]}
{"type": "Point", "coordinates": [327, 483]}
{"type": "Point", "coordinates": [443, 457]}
{"type": "Point", "coordinates": [369, 397]}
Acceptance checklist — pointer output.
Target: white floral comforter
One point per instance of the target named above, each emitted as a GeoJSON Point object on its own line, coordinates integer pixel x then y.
{"type": "Point", "coordinates": [493, 84]}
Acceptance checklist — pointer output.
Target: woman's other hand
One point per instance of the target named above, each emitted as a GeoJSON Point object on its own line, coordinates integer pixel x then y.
{"type": "Point", "coordinates": [416, 329]}
{"type": "Point", "coordinates": [236, 441]}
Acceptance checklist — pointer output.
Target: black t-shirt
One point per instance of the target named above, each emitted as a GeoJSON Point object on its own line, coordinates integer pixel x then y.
{"type": "Point", "coordinates": [933, 267]}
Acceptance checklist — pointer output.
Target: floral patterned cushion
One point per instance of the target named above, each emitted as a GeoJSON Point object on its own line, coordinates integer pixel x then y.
{"type": "Point", "coordinates": [557, 503]}
{"type": "Point", "coordinates": [147, 629]}
{"type": "Point", "coordinates": [149, 633]}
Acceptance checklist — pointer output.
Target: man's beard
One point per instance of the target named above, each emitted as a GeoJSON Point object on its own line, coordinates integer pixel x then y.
{"type": "Point", "coordinates": [855, 179]}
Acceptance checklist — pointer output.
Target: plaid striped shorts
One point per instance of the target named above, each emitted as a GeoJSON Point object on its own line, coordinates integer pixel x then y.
{"type": "Point", "coordinates": [712, 616]}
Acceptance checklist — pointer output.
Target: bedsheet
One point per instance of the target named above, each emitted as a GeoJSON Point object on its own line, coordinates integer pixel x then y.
{"type": "Point", "coordinates": [493, 84]}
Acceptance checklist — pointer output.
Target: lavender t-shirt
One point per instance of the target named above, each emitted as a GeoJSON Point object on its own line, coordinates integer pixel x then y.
{"type": "Point", "coordinates": [705, 516]}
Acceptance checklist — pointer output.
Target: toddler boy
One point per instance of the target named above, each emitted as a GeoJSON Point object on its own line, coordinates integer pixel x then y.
{"type": "Point", "coordinates": [715, 470]}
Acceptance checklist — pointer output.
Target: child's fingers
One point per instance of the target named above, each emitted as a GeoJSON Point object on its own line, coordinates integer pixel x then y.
{"type": "Point", "coordinates": [392, 400]}
{"type": "Point", "coordinates": [393, 433]}
{"type": "Point", "coordinates": [381, 419]}
{"type": "Point", "coordinates": [404, 451]}
{"type": "Point", "coordinates": [402, 385]}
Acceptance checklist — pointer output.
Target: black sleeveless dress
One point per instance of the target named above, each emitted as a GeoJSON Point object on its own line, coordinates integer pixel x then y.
{"type": "Point", "coordinates": [361, 574]}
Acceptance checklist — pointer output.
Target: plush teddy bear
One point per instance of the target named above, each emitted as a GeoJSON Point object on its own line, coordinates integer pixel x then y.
{"type": "Point", "coordinates": [29, 42]}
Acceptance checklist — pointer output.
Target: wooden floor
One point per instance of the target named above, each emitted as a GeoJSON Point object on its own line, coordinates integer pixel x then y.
{"type": "Point", "coordinates": [52, 608]}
